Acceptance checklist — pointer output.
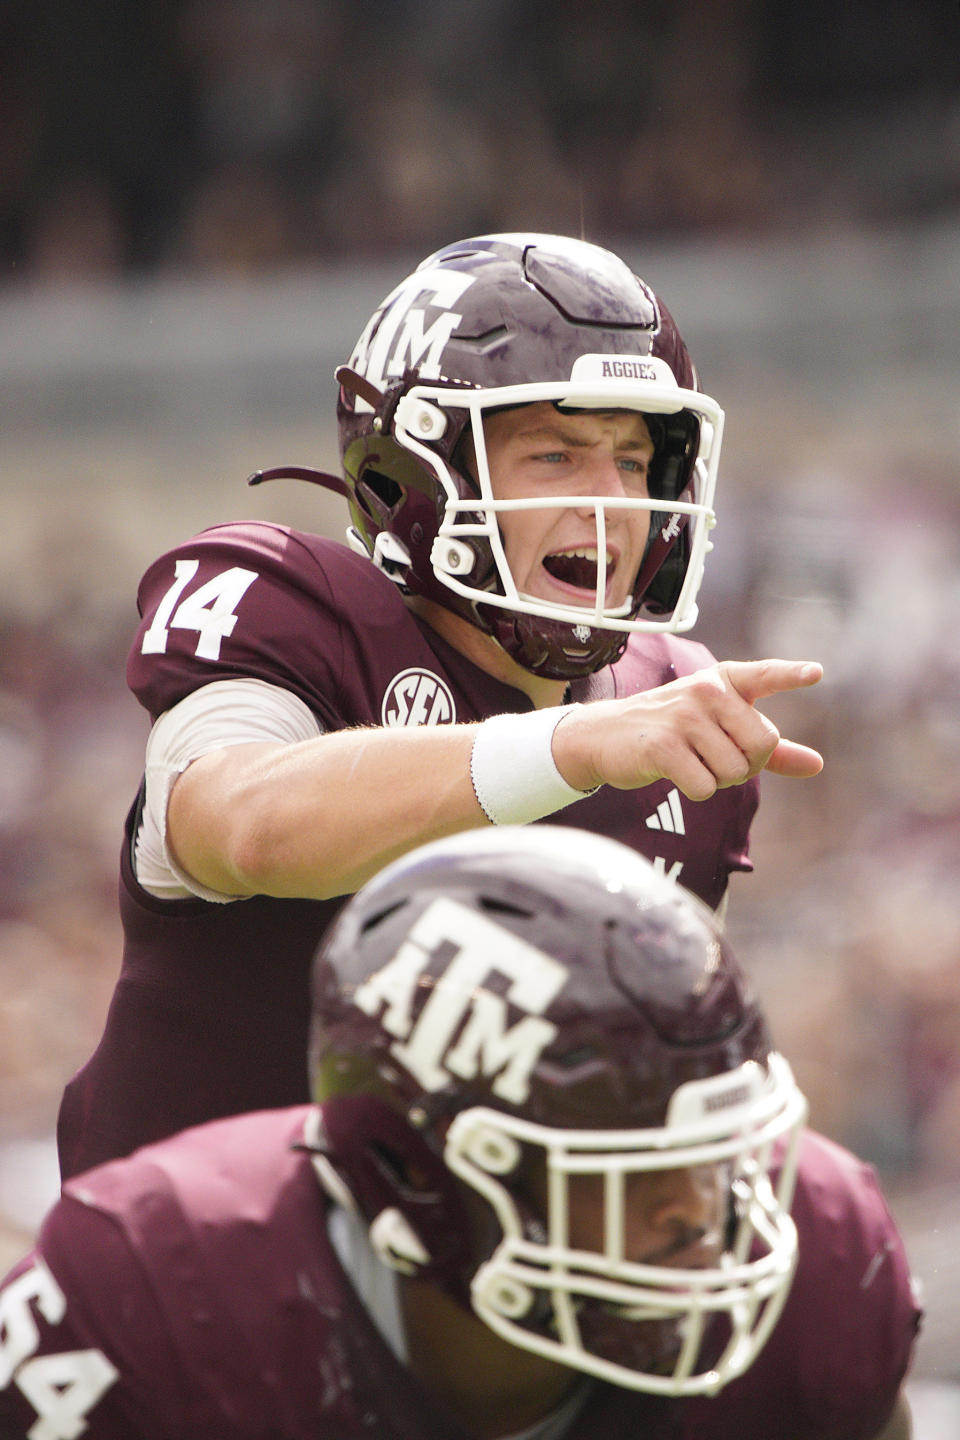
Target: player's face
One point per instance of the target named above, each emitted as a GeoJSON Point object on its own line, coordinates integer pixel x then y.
{"type": "Point", "coordinates": [675, 1218]}
{"type": "Point", "coordinates": [671, 1217]}
{"type": "Point", "coordinates": [538, 451]}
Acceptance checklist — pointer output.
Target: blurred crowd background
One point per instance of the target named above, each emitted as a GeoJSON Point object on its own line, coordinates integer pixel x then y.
{"type": "Point", "coordinates": [212, 135]}
{"type": "Point", "coordinates": [201, 201]}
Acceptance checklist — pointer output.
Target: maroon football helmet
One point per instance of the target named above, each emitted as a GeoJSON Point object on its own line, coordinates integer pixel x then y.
{"type": "Point", "coordinates": [540, 1002]}
{"type": "Point", "coordinates": [501, 321]}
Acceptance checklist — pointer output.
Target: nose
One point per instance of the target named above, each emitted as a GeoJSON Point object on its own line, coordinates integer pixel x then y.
{"type": "Point", "coordinates": [671, 1212]}
{"type": "Point", "coordinates": [686, 1193]}
{"type": "Point", "coordinates": [603, 477]}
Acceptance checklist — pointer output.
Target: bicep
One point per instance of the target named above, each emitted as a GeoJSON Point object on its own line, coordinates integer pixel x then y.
{"type": "Point", "coordinates": [176, 842]}
{"type": "Point", "coordinates": [205, 812]}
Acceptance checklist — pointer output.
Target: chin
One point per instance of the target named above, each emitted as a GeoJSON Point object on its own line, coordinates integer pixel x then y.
{"type": "Point", "coordinates": [650, 1345]}
{"type": "Point", "coordinates": [577, 599]}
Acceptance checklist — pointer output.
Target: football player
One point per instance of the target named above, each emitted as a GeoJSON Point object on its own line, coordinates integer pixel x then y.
{"type": "Point", "coordinates": [529, 466]}
{"type": "Point", "coordinates": [547, 1190]}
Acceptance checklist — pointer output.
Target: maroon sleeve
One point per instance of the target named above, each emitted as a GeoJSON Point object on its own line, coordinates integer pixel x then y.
{"type": "Point", "coordinates": [201, 1273]}
{"type": "Point", "coordinates": [836, 1361]}
{"type": "Point", "coordinates": [262, 601]}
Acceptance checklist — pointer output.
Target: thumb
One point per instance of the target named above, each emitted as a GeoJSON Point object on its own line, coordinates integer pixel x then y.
{"type": "Point", "coordinates": [798, 762]}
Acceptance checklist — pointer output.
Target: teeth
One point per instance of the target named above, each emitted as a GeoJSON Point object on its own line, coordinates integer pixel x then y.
{"type": "Point", "coordinates": [587, 552]}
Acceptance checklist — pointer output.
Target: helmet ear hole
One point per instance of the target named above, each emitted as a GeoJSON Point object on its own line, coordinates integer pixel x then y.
{"type": "Point", "coordinates": [406, 1177]}
{"type": "Point", "coordinates": [386, 491]}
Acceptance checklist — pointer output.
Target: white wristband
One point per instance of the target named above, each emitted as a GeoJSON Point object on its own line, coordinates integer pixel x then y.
{"type": "Point", "coordinates": [512, 769]}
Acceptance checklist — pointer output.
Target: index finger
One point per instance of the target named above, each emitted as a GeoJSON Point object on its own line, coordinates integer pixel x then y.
{"type": "Point", "coordinates": [755, 679]}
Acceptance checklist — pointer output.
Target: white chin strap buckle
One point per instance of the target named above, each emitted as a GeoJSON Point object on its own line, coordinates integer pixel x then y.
{"type": "Point", "coordinates": [391, 555]}
{"type": "Point", "coordinates": [396, 1243]}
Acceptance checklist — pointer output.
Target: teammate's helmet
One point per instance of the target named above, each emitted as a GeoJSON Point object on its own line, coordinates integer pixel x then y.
{"type": "Point", "coordinates": [500, 1014]}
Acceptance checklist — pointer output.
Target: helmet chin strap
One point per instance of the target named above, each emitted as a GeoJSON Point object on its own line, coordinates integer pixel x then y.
{"type": "Point", "coordinates": [302, 472]}
{"type": "Point", "coordinates": [538, 644]}
{"type": "Point", "coordinates": [359, 385]}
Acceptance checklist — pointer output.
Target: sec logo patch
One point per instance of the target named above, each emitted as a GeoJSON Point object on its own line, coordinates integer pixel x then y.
{"type": "Point", "coordinates": [417, 697]}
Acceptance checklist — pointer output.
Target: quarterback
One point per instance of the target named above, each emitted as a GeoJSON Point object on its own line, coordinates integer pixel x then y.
{"type": "Point", "coordinates": [555, 1185]}
{"type": "Point", "coordinates": [529, 465]}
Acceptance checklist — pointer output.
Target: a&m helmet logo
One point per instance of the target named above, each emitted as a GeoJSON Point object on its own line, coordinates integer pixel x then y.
{"type": "Point", "coordinates": [463, 1029]}
{"type": "Point", "coordinates": [411, 328]}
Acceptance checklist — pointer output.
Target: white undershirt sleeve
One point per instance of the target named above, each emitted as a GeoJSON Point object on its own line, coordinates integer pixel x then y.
{"type": "Point", "coordinates": [226, 712]}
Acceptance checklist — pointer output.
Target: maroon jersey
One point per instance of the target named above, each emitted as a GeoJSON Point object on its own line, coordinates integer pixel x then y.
{"type": "Point", "coordinates": [192, 1290]}
{"type": "Point", "coordinates": [209, 1016]}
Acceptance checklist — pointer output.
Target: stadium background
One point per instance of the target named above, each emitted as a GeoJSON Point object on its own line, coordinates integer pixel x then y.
{"type": "Point", "coordinates": [201, 202]}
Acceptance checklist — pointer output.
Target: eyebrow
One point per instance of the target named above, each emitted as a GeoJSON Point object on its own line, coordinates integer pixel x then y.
{"type": "Point", "coordinates": [556, 432]}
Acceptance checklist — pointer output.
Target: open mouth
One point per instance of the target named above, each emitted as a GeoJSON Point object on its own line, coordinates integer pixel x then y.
{"type": "Point", "coordinates": [579, 568]}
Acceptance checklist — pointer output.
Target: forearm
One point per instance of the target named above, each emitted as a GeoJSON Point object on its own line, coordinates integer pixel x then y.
{"type": "Point", "coordinates": [318, 818]}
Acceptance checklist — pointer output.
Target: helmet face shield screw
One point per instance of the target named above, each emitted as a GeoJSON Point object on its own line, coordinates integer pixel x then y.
{"type": "Point", "coordinates": [453, 557]}
{"type": "Point", "coordinates": [431, 423]}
